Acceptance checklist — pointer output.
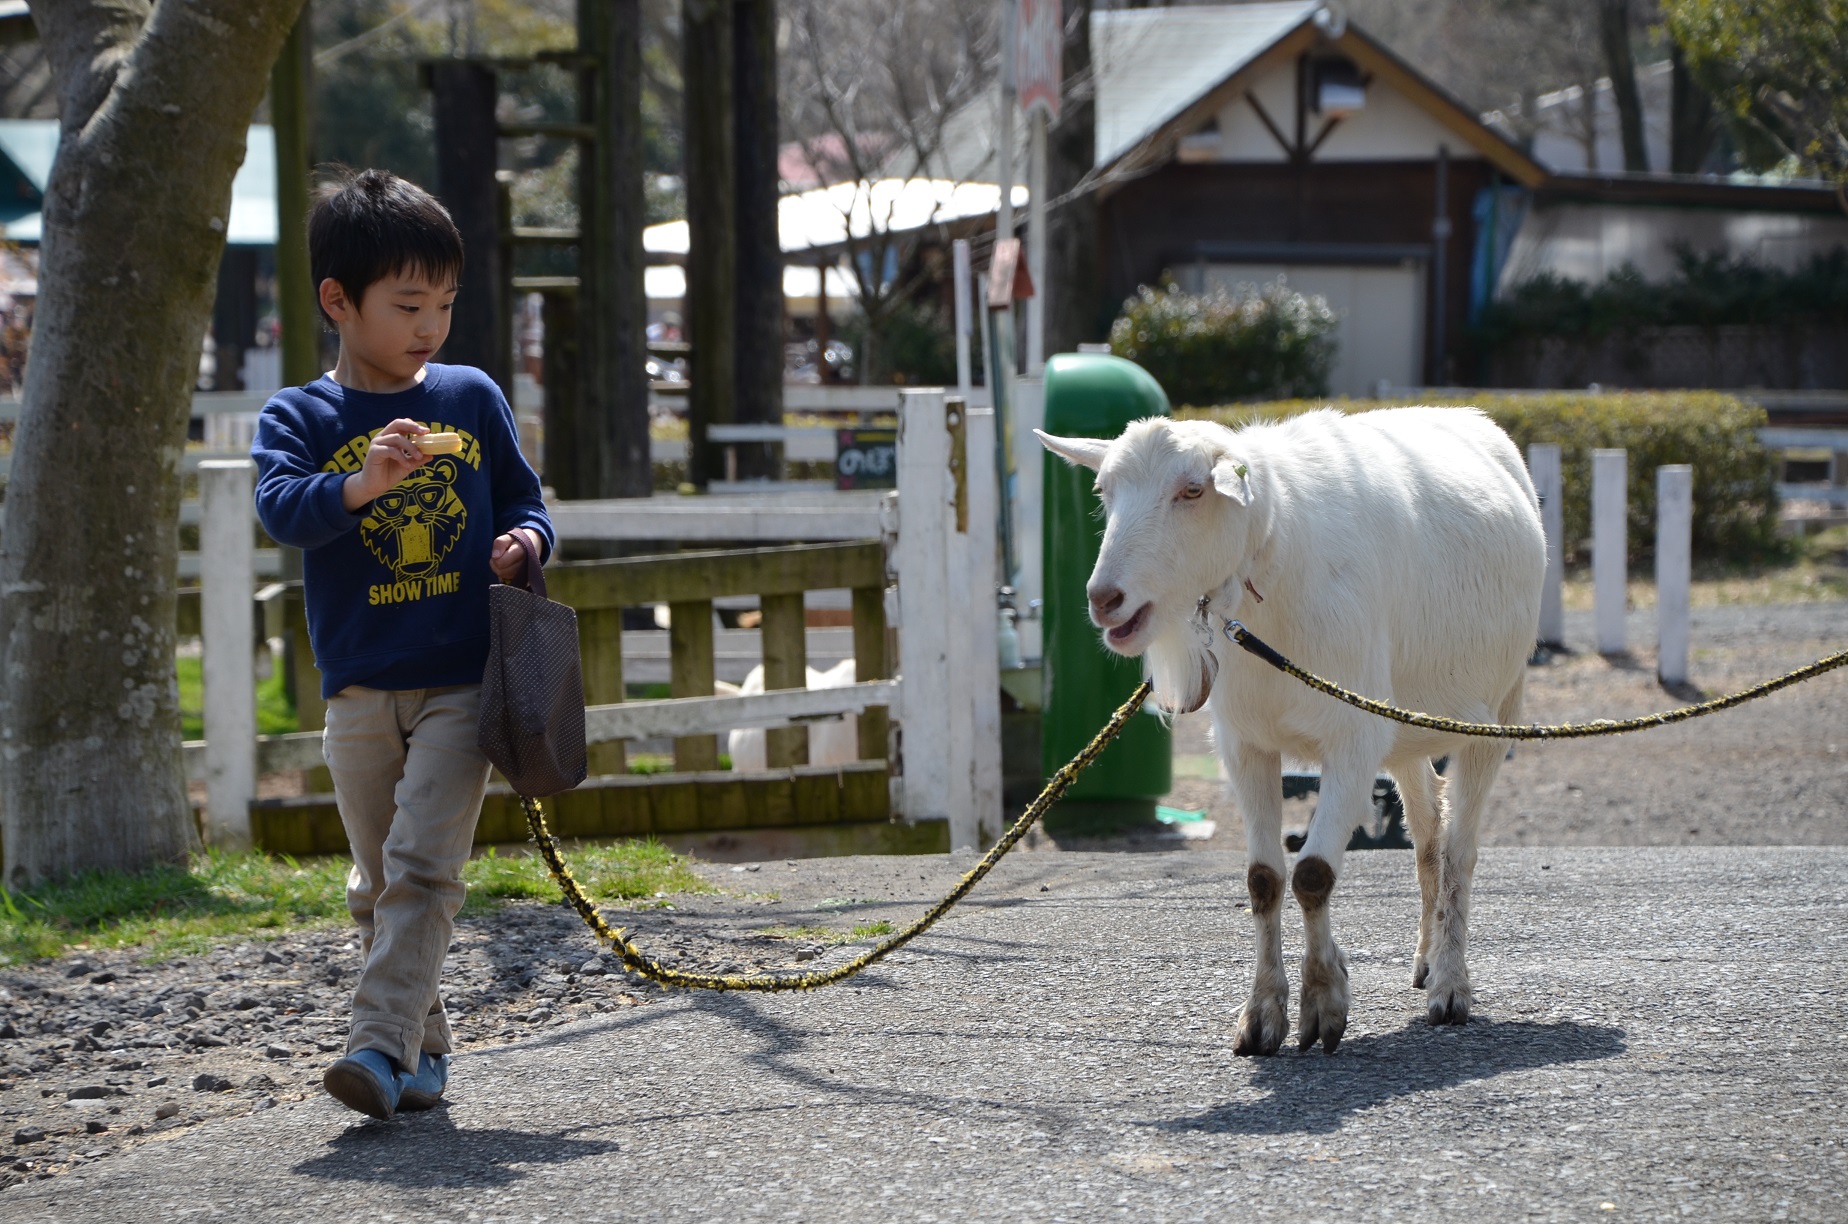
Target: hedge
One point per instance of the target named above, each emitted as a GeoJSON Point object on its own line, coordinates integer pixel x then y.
{"type": "Point", "coordinates": [1244, 343]}
{"type": "Point", "coordinates": [1735, 489]}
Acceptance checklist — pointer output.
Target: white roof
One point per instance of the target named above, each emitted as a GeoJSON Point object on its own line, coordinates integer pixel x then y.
{"type": "Point", "coordinates": [1151, 64]}
{"type": "Point", "coordinates": [32, 145]}
{"type": "Point", "coordinates": [828, 216]}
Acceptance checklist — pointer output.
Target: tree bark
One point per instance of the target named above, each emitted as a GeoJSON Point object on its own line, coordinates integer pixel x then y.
{"type": "Point", "coordinates": [291, 87]}
{"type": "Point", "coordinates": [1620, 62]}
{"type": "Point", "coordinates": [759, 354]}
{"type": "Point", "coordinates": [134, 224]}
{"type": "Point", "coordinates": [612, 305]}
{"type": "Point", "coordinates": [712, 230]}
{"type": "Point", "coordinates": [1078, 314]}
{"type": "Point", "coordinates": [464, 97]}
{"type": "Point", "coordinates": [1692, 122]}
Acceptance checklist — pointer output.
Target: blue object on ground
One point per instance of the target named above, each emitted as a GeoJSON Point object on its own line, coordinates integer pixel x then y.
{"type": "Point", "coordinates": [367, 1081]}
{"type": "Point", "coordinates": [425, 1089]}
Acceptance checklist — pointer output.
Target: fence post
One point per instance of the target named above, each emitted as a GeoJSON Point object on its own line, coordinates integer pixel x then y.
{"type": "Point", "coordinates": [1029, 410]}
{"type": "Point", "coordinates": [959, 653]}
{"type": "Point", "coordinates": [1543, 463]}
{"type": "Point", "coordinates": [984, 636]}
{"type": "Point", "coordinates": [1609, 547]}
{"type": "Point", "coordinates": [227, 624]}
{"type": "Point", "coordinates": [1674, 562]}
{"type": "Point", "coordinates": [924, 613]}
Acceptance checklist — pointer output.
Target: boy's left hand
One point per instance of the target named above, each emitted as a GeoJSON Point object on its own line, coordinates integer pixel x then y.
{"type": "Point", "coordinates": [508, 559]}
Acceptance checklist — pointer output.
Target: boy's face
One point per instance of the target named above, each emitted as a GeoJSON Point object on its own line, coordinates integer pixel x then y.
{"type": "Point", "coordinates": [397, 326]}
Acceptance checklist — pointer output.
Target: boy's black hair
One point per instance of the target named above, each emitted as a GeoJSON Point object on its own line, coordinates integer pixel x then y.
{"type": "Point", "coordinates": [369, 225]}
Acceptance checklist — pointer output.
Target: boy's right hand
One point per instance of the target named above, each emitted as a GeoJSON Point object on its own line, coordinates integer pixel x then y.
{"type": "Point", "coordinates": [391, 457]}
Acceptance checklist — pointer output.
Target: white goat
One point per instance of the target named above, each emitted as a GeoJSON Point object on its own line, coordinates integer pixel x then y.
{"type": "Point", "coordinates": [831, 741]}
{"type": "Point", "coordinates": [1396, 552]}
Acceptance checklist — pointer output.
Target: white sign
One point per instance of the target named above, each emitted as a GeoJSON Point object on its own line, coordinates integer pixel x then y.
{"type": "Point", "coordinates": [1039, 51]}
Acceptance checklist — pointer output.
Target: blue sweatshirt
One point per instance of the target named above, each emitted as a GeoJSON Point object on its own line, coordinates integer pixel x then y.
{"type": "Point", "coordinates": [397, 594]}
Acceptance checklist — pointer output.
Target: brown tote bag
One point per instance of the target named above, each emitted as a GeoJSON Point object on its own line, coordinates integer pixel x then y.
{"type": "Point", "coordinates": [532, 694]}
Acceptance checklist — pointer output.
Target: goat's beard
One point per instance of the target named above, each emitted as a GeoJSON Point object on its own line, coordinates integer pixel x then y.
{"type": "Point", "coordinates": [1181, 665]}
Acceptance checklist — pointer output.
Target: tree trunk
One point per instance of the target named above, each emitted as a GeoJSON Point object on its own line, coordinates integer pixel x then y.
{"type": "Point", "coordinates": [291, 86]}
{"type": "Point", "coordinates": [712, 231]}
{"type": "Point", "coordinates": [760, 249]}
{"type": "Point", "coordinates": [1078, 313]}
{"type": "Point", "coordinates": [134, 224]}
{"type": "Point", "coordinates": [1620, 62]}
{"type": "Point", "coordinates": [613, 308]}
{"type": "Point", "coordinates": [1692, 124]}
{"type": "Point", "coordinates": [464, 97]}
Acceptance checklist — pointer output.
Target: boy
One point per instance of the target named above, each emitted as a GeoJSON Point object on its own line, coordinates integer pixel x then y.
{"type": "Point", "coordinates": [399, 549]}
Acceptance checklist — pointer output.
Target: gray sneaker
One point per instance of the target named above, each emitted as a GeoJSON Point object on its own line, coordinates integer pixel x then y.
{"type": "Point", "coordinates": [425, 1089]}
{"type": "Point", "coordinates": [367, 1081]}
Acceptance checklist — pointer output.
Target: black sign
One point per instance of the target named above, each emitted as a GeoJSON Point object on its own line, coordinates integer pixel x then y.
{"type": "Point", "coordinates": [866, 459]}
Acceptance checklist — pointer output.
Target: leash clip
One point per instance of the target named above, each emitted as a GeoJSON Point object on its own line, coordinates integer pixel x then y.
{"type": "Point", "coordinates": [1203, 622]}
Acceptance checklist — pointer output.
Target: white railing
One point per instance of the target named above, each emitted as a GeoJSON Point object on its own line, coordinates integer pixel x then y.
{"type": "Point", "coordinates": [1609, 549]}
{"type": "Point", "coordinates": [946, 698]}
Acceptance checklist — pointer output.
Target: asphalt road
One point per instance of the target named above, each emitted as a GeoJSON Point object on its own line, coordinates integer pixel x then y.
{"type": "Point", "coordinates": [1660, 1034]}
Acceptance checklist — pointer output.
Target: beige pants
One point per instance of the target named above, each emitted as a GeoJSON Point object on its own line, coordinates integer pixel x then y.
{"type": "Point", "coordinates": [409, 780]}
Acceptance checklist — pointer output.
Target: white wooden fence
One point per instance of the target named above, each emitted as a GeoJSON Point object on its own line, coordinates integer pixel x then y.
{"type": "Point", "coordinates": [1609, 548]}
{"type": "Point", "coordinates": [945, 699]}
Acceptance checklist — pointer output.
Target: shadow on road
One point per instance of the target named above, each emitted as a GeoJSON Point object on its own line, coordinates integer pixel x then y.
{"type": "Point", "coordinates": [428, 1151]}
{"type": "Point", "coordinates": [1314, 1093]}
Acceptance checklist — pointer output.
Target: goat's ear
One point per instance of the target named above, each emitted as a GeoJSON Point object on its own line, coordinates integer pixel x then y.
{"type": "Point", "coordinates": [1085, 452]}
{"type": "Point", "coordinates": [1233, 479]}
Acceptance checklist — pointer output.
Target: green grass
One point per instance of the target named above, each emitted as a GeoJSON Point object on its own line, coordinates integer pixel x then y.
{"type": "Point", "coordinates": [172, 910]}
{"type": "Point", "coordinates": [219, 897]}
{"type": "Point", "coordinates": [623, 871]}
{"type": "Point", "coordinates": [828, 935]}
{"type": "Point", "coordinates": [275, 715]}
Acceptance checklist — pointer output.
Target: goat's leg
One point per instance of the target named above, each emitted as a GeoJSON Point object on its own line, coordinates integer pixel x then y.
{"type": "Point", "coordinates": [1421, 790]}
{"type": "Point", "coordinates": [1256, 784]}
{"type": "Point", "coordinates": [1346, 798]}
{"type": "Point", "coordinates": [1448, 996]}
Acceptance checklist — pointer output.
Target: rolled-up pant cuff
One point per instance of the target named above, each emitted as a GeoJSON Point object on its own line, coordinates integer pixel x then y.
{"type": "Point", "coordinates": [395, 1037]}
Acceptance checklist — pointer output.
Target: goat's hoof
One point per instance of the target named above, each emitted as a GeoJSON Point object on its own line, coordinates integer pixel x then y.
{"type": "Point", "coordinates": [1323, 1011]}
{"type": "Point", "coordinates": [1421, 972]}
{"type": "Point", "coordinates": [1261, 1027]}
{"type": "Point", "coordinates": [1449, 1004]}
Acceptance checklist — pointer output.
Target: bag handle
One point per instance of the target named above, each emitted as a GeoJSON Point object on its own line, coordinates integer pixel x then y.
{"type": "Point", "coordinates": [535, 574]}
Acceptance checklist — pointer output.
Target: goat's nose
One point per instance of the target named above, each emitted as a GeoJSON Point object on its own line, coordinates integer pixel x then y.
{"type": "Point", "coordinates": [1105, 600]}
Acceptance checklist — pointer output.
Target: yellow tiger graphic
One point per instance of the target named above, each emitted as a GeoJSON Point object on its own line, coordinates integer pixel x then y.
{"type": "Point", "coordinates": [412, 528]}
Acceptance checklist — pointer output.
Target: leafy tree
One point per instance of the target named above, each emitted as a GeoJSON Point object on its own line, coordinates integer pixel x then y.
{"type": "Point", "coordinates": [134, 224]}
{"type": "Point", "coordinates": [870, 91]}
{"type": "Point", "coordinates": [1780, 70]}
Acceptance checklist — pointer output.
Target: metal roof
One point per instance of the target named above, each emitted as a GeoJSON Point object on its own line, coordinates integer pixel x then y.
{"type": "Point", "coordinates": [31, 145]}
{"type": "Point", "coordinates": [1151, 64]}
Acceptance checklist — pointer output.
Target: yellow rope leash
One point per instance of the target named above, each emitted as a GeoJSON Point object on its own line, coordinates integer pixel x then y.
{"type": "Point", "coordinates": [639, 962]}
{"type": "Point", "coordinates": [1603, 726]}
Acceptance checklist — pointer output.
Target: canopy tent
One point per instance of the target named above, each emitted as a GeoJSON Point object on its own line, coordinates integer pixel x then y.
{"type": "Point", "coordinates": [29, 146]}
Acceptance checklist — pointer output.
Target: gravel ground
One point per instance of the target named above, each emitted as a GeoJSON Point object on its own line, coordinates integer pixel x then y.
{"type": "Point", "coordinates": [100, 1053]}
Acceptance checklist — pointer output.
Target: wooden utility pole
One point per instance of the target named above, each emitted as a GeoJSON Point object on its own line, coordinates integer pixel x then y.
{"type": "Point", "coordinates": [290, 80]}
{"type": "Point", "coordinates": [712, 224]}
{"type": "Point", "coordinates": [612, 308]}
{"type": "Point", "coordinates": [759, 294]}
{"type": "Point", "coordinates": [1075, 315]}
{"type": "Point", "coordinates": [464, 94]}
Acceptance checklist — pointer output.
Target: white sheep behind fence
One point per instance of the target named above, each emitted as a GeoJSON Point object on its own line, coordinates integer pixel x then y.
{"type": "Point", "coordinates": [831, 741]}
{"type": "Point", "coordinates": [1397, 552]}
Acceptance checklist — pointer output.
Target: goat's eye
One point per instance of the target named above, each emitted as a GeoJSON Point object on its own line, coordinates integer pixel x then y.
{"type": "Point", "coordinates": [1191, 492]}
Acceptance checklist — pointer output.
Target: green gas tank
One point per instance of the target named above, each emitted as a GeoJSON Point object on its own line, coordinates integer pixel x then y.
{"type": "Point", "coordinates": [1091, 395]}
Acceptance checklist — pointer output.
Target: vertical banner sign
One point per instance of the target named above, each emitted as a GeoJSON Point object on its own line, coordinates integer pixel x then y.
{"type": "Point", "coordinates": [1038, 53]}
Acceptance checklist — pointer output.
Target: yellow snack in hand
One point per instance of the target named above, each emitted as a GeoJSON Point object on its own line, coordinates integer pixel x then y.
{"type": "Point", "coordinates": [439, 443]}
